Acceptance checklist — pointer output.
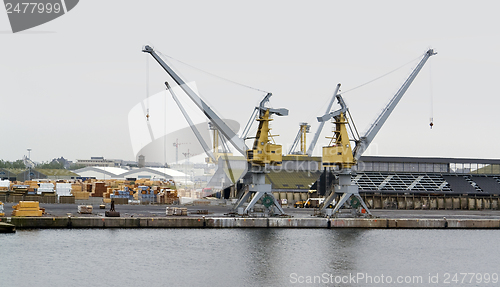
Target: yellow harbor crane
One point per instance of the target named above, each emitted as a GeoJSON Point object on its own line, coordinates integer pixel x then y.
{"type": "Point", "coordinates": [263, 151]}
{"type": "Point", "coordinates": [216, 142]}
{"type": "Point", "coordinates": [262, 154]}
{"type": "Point", "coordinates": [300, 138]}
{"type": "Point", "coordinates": [339, 153]}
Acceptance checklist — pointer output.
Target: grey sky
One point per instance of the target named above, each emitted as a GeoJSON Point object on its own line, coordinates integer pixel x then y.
{"type": "Point", "coordinates": [68, 85]}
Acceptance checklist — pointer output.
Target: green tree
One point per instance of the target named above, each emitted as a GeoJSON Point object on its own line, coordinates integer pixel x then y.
{"type": "Point", "coordinates": [15, 164]}
{"type": "Point", "coordinates": [51, 165]}
{"type": "Point", "coordinates": [75, 166]}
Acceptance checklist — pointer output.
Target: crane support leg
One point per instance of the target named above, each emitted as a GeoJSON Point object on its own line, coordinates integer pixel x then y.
{"type": "Point", "coordinates": [345, 197]}
{"type": "Point", "coordinates": [242, 199]}
{"type": "Point", "coordinates": [348, 191]}
{"type": "Point", "coordinates": [260, 190]}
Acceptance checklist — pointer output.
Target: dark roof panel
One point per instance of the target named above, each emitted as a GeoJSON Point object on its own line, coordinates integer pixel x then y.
{"type": "Point", "coordinates": [487, 184]}
{"type": "Point", "coordinates": [427, 159]}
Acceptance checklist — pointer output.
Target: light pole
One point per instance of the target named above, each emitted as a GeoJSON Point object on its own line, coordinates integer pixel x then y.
{"type": "Point", "coordinates": [29, 164]}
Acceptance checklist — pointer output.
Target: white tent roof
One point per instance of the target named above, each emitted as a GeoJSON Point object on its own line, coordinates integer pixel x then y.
{"type": "Point", "coordinates": [160, 171]}
{"type": "Point", "coordinates": [120, 173]}
{"type": "Point", "coordinates": [101, 172]}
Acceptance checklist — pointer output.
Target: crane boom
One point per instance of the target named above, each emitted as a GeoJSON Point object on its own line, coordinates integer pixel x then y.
{"type": "Point", "coordinates": [238, 143]}
{"type": "Point", "coordinates": [191, 124]}
{"type": "Point", "coordinates": [365, 140]}
{"type": "Point", "coordinates": [312, 145]}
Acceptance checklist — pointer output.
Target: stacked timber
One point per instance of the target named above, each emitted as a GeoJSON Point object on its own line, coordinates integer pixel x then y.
{"type": "Point", "coordinates": [77, 189]}
{"type": "Point", "coordinates": [27, 208]}
{"type": "Point", "coordinates": [167, 196]}
{"type": "Point", "coordinates": [98, 189]}
{"type": "Point", "coordinates": [179, 211]}
{"type": "Point", "coordinates": [85, 209]}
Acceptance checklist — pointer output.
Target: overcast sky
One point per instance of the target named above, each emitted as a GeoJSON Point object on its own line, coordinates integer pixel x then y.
{"type": "Point", "coordinates": [68, 85]}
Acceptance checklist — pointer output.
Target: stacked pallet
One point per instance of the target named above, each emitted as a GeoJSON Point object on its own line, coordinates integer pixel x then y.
{"type": "Point", "coordinates": [78, 191]}
{"type": "Point", "coordinates": [167, 196]}
{"type": "Point", "coordinates": [179, 211]}
{"type": "Point", "coordinates": [81, 194]}
{"type": "Point", "coordinates": [147, 194]}
{"type": "Point", "coordinates": [20, 188]}
{"type": "Point", "coordinates": [125, 193]}
{"type": "Point", "coordinates": [87, 186]}
{"type": "Point", "coordinates": [98, 189]}
{"type": "Point", "coordinates": [63, 189]}
{"type": "Point", "coordinates": [109, 191]}
{"type": "Point", "coordinates": [4, 185]}
{"type": "Point", "coordinates": [27, 208]}
{"type": "Point", "coordinates": [85, 209]}
{"type": "Point", "coordinates": [78, 186]}
{"type": "Point", "coordinates": [32, 186]}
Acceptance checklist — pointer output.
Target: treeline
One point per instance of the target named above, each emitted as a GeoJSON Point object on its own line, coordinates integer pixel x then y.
{"type": "Point", "coordinates": [58, 165]}
{"type": "Point", "coordinates": [50, 165]}
{"type": "Point", "coordinates": [14, 164]}
{"type": "Point", "coordinates": [46, 165]}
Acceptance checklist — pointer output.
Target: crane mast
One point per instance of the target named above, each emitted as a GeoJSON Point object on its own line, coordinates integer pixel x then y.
{"type": "Point", "coordinates": [262, 154]}
{"type": "Point", "coordinates": [300, 138]}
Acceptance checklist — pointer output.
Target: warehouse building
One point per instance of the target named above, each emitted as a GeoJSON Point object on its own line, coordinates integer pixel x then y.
{"type": "Point", "coordinates": [9, 173]}
{"type": "Point", "coordinates": [156, 173]}
{"type": "Point", "coordinates": [52, 174]}
{"type": "Point", "coordinates": [99, 172]}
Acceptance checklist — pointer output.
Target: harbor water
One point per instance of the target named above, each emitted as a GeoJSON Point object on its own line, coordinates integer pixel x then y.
{"type": "Point", "coordinates": [250, 257]}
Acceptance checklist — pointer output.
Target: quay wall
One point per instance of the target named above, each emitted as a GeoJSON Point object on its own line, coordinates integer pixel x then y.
{"type": "Point", "coordinates": [243, 222]}
{"type": "Point", "coordinates": [373, 201]}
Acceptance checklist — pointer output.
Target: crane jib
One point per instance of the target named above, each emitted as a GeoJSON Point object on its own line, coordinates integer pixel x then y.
{"type": "Point", "coordinates": [312, 145]}
{"type": "Point", "coordinates": [379, 122]}
{"type": "Point", "coordinates": [238, 143]}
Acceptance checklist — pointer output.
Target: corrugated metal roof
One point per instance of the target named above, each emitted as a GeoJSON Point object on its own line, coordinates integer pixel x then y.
{"type": "Point", "coordinates": [56, 172]}
{"type": "Point", "coordinates": [108, 170]}
{"type": "Point", "coordinates": [301, 158]}
{"type": "Point", "coordinates": [292, 180]}
{"type": "Point", "coordinates": [14, 170]}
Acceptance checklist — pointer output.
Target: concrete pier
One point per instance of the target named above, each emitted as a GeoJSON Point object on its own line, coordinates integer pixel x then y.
{"type": "Point", "coordinates": [238, 222]}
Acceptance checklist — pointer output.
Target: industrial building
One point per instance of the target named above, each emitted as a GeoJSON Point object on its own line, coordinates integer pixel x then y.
{"type": "Point", "coordinates": [98, 161]}
{"type": "Point", "coordinates": [100, 172]}
{"type": "Point", "coordinates": [9, 174]}
{"type": "Point", "coordinates": [136, 173]}
{"type": "Point", "coordinates": [431, 175]}
{"type": "Point", "coordinates": [377, 174]}
{"type": "Point", "coordinates": [28, 174]}
{"type": "Point", "coordinates": [158, 173]}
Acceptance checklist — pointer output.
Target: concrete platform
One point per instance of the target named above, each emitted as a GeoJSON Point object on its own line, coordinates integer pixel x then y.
{"type": "Point", "coordinates": [154, 216]}
{"type": "Point", "coordinates": [238, 222]}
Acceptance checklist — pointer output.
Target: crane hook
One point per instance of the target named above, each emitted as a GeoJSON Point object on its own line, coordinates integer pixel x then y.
{"type": "Point", "coordinates": [432, 123]}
